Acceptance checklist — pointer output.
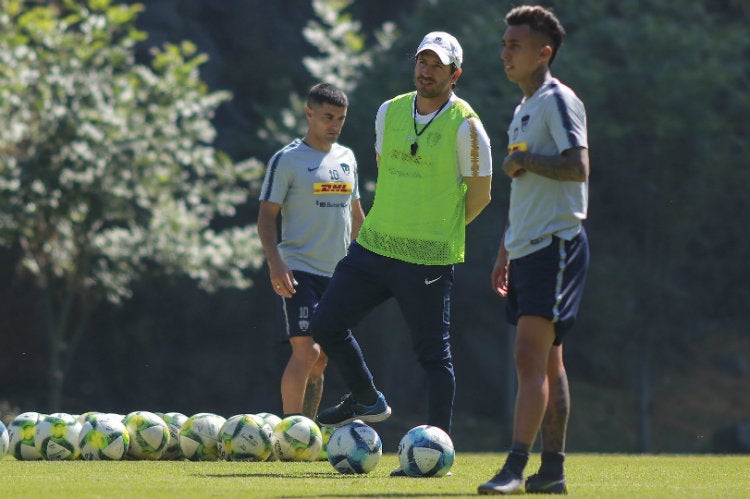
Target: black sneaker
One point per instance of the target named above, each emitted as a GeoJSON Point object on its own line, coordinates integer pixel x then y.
{"type": "Point", "coordinates": [400, 472]}
{"type": "Point", "coordinates": [348, 410]}
{"type": "Point", "coordinates": [537, 484]}
{"type": "Point", "coordinates": [505, 482]}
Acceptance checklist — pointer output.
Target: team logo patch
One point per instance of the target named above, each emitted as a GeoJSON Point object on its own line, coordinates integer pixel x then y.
{"type": "Point", "coordinates": [518, 146]}
{"type": "Point", "coordinates": [332, 188]}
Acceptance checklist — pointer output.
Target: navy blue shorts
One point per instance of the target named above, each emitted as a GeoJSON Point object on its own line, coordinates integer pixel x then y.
{"type": "Point", "coordinates": [296, 311]}
{"type": "Point", "coordinates": [549, 283]}
{"type": "Point", "coordinates": [364, 279]}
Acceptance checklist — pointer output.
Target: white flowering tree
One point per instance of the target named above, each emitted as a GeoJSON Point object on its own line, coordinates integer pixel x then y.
{"type": "Point", "coordinates": [106, 166]}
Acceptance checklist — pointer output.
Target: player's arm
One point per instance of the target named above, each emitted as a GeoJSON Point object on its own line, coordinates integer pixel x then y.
{"type": "Point", "coordinates": [280, 275]}
{"type": "Point", "coordinates": [499, 275]}
{"type": "Point", "coordinates": [358, 216]}
{"type": "Point", "coordinates": [474, 158]}
{"type": "Point", "coordinates": [477, 195]}
{"type": "Point", "coordinates": [572, 165]}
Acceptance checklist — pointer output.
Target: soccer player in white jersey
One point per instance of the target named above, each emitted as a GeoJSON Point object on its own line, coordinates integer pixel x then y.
{"type": "Point", "coordinates": [312, 183]}
{"type": "Point", "coordinates": [543, 256]}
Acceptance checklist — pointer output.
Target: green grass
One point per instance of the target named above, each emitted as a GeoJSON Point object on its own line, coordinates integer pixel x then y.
{"type": "Point", "coordinates": [589, 475]}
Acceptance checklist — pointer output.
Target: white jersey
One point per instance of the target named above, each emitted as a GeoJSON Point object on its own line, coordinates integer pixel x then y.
{"type": "Point", "coordinates": [548, 123]}
{"type": "Point", "coordinates": [315, 190]}
{"type": "Point", "coordinates": [473, 154]}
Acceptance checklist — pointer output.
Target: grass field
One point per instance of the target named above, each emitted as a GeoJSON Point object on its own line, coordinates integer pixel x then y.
{"type": "Point", "coordinates": [589, 475]}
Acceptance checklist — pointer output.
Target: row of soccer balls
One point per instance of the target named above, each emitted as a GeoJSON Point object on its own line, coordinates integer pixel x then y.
{"type": "Point", "coordinates": [352, 448]}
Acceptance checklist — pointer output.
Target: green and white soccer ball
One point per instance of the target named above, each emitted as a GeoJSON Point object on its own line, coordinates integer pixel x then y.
{"type": "Point", "coordinates": [354, 448]}
{"type": "Point", "coordinates": [245, 437]}
{"type": "Point", "coordinates": [326, 432]}
{"type": "Point", "coordinates": [271, 421]}
{"type": "Point", "coordinates": [4, 440]}
{"type": "Point", "coordinates": [56, 437]}
{"type": "Point", "coordinates": [21, 432]}
{"type": "Point", "coordinates": [199, 436]}
{"type": "Point", "coordinates": [426, 451]}
{"type": "Point", "coordinates": [149, 435]}
{"type": "Point", "coordinates": [103, 438]}
{"type": "Point", "coordinates": [298, 438]}
{"type": "Point", "coordinates": [174, 421]}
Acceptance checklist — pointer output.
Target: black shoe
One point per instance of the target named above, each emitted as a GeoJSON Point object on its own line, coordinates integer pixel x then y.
{"type": "Point", "coordinates": [505, 482]}
{"type": "Point", "coordinates": [537, 484]}
{"type": "Point", "coordinates": [400, 472]}
{"type": "Point", "coordinates": [348, 410]}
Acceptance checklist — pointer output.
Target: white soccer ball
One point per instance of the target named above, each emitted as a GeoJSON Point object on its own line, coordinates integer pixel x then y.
{"type": "Point", "coordinates": [149, 435]}
{"type": "Point", "coordinates": [103, 438]}
{"type": "Point", "coordinates": [426, 451]}
{"type": "Point", "coordinates": [354, 448]}
{"type": "Point", "coordinates": [245, 437]}
{"type": "Point", "coordinates": [4, 440]}
{"type": "Point", "coordinates": [199, 436]}
{"type": "Point", "coordinates": [174, 421]}
{"type": "Point", "coordinates": [21, 432]}
{"type": "Point", "coordinates": [271, 421]}
{"type": "Point", "coordinates": [298, 438]}
{"type": "Point", "coordinates": [56, 437]}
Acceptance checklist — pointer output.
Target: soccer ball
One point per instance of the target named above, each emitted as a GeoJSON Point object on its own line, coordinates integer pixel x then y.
{"type": "Point", "coordinates": [199, 436]}
{"type": "Point", "coordinates": [149, 435]}
{"type": "Point", "coordinates": [56, 437]}
{"type": "Point", "coordinates": [4, 440]}
{"type": "Point", "coordinates": [21, 433]}
{"type": "Point", "coordinates": [103, 438]}
{"type": "Point", "coordinates": [174, 421]}
{"type": "Point", "coordinates": [298, 438]}
{"type": "Point", "coordinates": [426, 451]}
{"type": "Point", "coordinates": [271, 421]}
{"type": "Point", "coordinates": [245, 437]}
{"type": "Point", "coordinates": [354, 448]}
{"type": "Point", "coordinates": [326, 431]}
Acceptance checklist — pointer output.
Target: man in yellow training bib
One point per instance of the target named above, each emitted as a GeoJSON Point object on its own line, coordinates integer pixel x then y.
{"type": "Point", "coordinates": [434, 177]}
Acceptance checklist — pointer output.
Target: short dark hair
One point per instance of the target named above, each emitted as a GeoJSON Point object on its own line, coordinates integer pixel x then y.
{"type": "Point", "coordinates": [325, 93]}
{"type": "Point", "coordinates": [541, 20]}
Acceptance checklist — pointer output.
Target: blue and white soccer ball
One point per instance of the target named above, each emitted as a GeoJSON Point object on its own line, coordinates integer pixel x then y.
{"type": "Point", "coordinates": [21, 432]}
{"type": "Point", "coordinates": [149, 435]}
{"type": "Point", "coordinates": [199, 436]}
{"type": "Point", "coordinates": [4, 440]}
{"type": "Point", "coordinates": [245, 437]}
{"type": "Point", "coordinates": [298, 438]}
{"type": "Point", "coordinates": [354, 448]}
{"type": "Point", "coordinates": [174, 421]}
{"type": "Point", "coordinates": [426, 451]}
{"type": "Point", "coordinates": [56, 437]}
{"type": "Point", "coordinates": [103, 438]}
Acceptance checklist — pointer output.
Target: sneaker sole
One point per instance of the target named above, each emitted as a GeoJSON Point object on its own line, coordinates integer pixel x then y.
{"type": "Point", "coordinates": [367, 418]}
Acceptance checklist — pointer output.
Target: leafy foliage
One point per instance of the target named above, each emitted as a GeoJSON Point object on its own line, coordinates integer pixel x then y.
{"type": "Point", "coordinates": [107, 169]}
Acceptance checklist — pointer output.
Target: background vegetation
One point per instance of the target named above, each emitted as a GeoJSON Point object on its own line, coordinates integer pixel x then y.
{"type": "Point", "coordinates": [660, 358]}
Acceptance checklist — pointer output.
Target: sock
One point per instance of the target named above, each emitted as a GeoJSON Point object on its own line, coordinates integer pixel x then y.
{"type": "Point", "coordinates": [552, 464]}
{"type": "Point", "coordinates": [516, 461]}
{"type": "Point", "coordinates": [292, 414]}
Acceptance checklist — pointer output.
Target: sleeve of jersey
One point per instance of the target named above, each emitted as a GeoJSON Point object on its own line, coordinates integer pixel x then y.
{"type": "Point", "coordinates": [380, 127]}
{"type": "Point", "coordinates": [474, 154]}
{"type": "Point", "coordinates": [567, 122]}
{"type": "Point", "coordinates": [355, 187]}
{"type": "Point", "coordinates": [276, 181]}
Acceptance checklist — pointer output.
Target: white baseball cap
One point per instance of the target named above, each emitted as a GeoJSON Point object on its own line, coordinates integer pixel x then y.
{"type": "Point", "coordinates": [444, 45]}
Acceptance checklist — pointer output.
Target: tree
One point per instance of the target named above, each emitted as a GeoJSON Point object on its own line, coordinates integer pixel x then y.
{"type": "Point", "coordinates": [106, 166]}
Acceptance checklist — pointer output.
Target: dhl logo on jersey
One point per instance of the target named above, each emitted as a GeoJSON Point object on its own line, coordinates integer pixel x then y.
{"type": "Point", "coordinates": [332, 188]}
{"type": "Point", "coordinates": [518, 146]}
